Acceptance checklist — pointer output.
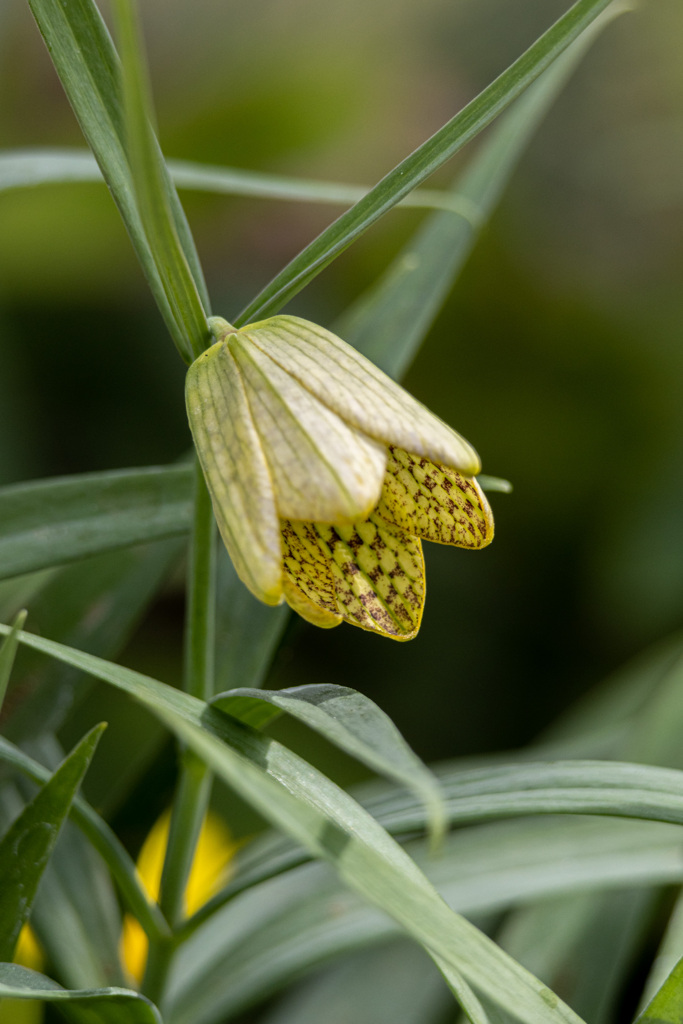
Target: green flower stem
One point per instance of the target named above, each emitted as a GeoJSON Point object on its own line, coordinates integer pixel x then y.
{"type": "Point", "coordinates": [194, 782]}
{"type": "Point", "coordinates": [201, 611]}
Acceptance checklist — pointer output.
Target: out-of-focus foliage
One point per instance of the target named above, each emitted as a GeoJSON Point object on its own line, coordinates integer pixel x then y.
{"type": "Point", "coordinates": [559, 351]}
{"type": "Point", "coordinates": [561, 336]}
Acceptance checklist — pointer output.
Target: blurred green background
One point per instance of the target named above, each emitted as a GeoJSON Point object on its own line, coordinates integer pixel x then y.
{"type": "Point", "coordinates": [558, 354]}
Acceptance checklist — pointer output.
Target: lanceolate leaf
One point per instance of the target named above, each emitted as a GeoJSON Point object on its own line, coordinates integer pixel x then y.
{"type": "Point", "coordinates": [84, 1006]}
{"type": "Point", "coordinates": [94, 605]}
{"type": "Point", "coordinates": [88, 67]}
{"type": "Point", "coordinates": [412, 171]}
{"type": "Point", "coordinates": [667, 1005]}
{"type": "Point", "coordinates": [332, 826]}
{"type": "Point", "coordinates": [285, 926]}
{"type": "Point", "coordinates": [26, 168]}
{"type": "Point", "coordinates": [352, 722]}
{"type": "Point", "coordinates": [51, 522]}
{"type": "Point", "coordinates": [26, 847]}
{"type": "Point", "coordinates": [389, 321]}
{"type": "Point", "coordinates": [153, 190]}
{"type": "Point", "coordinates": [7, 653]}
{"type": "Point", "coordinates": [103, 840]}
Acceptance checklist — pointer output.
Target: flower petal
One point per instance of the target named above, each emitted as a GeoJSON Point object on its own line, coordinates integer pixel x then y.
{"type": "Point", "coordinates": [371, 573]}
{"type": "Point", "coordinates": [434, 502]}
{"type": "Point", "coordinates": [236, 471]}
{"type": "Point", "coordinates": [307, 609]}
{"type": "Point", "coordinates": [323, 470]}
{"type": "Point", "coordinates": [359, 392]}
{"type": "Point", "coordinates": [307, 566]}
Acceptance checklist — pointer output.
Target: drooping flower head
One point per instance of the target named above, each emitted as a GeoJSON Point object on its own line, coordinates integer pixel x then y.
{"type": "Point", "coordinates": [324, 475]}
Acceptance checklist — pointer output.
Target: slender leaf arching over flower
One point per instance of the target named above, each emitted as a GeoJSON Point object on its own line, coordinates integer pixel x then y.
{"type": "Point", "coordinates": [325, 475]}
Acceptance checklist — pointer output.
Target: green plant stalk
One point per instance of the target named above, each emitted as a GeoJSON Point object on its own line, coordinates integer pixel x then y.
{"type": "Point", "coordinates": [150, 181]}
{"type": "Point", "coordinates": [194, 782]}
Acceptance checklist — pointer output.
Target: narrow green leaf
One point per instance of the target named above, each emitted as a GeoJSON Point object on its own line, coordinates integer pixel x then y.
{"type": "Point", "coordinates": [352, 722]}
{"type": "Point", "coordinates": [284, 926]}
{"type": "Point", "coordinates": [51, 522]}
{"type": "Point", "coordinates": [512, 790]}
{"type": "Point", "coordinates": [103, 840]}
{"type": "Point", "coordinates": [7, 654]}
{"type": "Point", "coordinates": [85, 1006]}
{"type": "Point", "coordinates": [26, 847]}
{"type": "Point", "coordinates": [389, 322]}
{"type": "Point", "coordinates": [152, 186]}
{"type": "Point", "coordinates": [331, 825]}
{"type": "Point", "coordinates": [94, 605]}
{"type": "Point", "coordinates": [667, 1005]}
{"type": "Point", "coordinates": [559, 787]}
{"type": "Point", "coordinates": [26, 168]}
{"type": "Point", "coordinates": [76, 917]}
{"type": "Point", "coordinates": [417, 167]}
{"type": "Point", "coordinates": [668, 953]}
{"type": "Point", "coordinates": [88, 67]}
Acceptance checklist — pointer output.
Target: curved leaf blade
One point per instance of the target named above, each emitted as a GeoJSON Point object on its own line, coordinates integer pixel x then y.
{"type": "Point", "coordinates": [26, 168]}
{"type": "Point", "coordinates": [560, 787]}
{"type": "Point", "coordinates": [107, 1005]}
{"type": "Point", "coordinates": [332, 826]}
{"type": "Point", "coordinates": [296, 922]}
{"type": "Point", "coordinates": [352, 722]}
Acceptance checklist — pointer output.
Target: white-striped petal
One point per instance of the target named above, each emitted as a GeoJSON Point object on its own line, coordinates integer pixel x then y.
{"type": "Point", "coordinates": [353, 387]}
{"type": "Point", "coordinates": [323, 470]}
{"type": "Point", "coordinates": [236, 471]}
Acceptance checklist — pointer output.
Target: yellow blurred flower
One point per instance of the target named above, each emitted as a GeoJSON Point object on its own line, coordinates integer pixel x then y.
{"type": "Point", "coordinates": [29, 954]}
{"type": "Point", "coordinates": [325, 475]}
{"type": "Point", "coordinates": [211, 869]}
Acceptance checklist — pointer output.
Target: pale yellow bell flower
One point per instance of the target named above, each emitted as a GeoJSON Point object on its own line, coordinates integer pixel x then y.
{"type": "Point", "coordinates": [211, 869]}
{"type": "Point", "coordinates": [324, 475]}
